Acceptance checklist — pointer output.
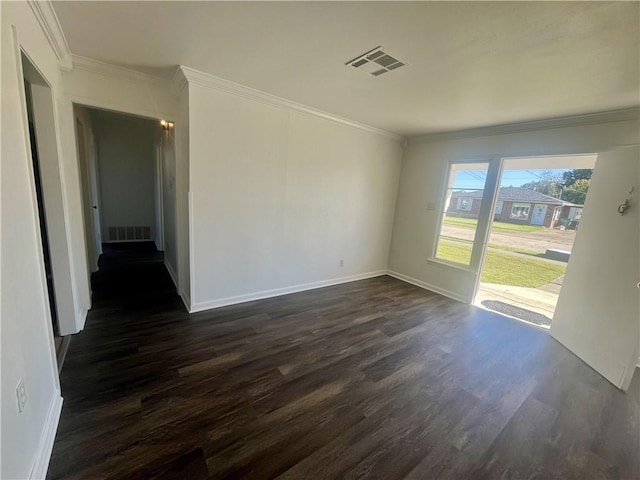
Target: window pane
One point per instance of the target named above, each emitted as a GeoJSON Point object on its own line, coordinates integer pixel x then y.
{"type": "Point", "coordinates": [454, 250]}
{"type": "Point", "coordinates": [520, 211]}
{"type": "Point", "coordinates": [462, 201]}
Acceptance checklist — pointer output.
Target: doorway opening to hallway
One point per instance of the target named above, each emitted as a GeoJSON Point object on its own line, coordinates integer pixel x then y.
{"type": "Point", "coordinates": [127, 166]}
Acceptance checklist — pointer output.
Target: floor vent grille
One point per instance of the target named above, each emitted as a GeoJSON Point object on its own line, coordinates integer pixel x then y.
{"type": "Point", "coordinates": [128, 234]}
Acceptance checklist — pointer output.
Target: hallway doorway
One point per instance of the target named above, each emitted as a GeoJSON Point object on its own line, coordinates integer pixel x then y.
{"type": "Point", "coordinates": [127, 166]}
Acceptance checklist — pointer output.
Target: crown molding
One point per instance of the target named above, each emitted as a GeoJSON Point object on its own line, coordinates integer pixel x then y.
{"type": "Point", "coordinates": [179, 81]}
{"type": "Point", "coordinates": [204, 79]}
{"type": "Point", "coordinates": [621, 115]}
{"type": "Point", "coordinates": [108, 69]}
{"type": "Point", "coordinates": [48, 20]}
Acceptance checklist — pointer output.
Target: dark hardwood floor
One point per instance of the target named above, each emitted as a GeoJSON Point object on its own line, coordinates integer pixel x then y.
{"type": "Point", "coordinates": [376, 379]}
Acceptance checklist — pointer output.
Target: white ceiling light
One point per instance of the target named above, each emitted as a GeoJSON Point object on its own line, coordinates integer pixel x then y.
{"type": "Point", "coordinates": [376, 62]}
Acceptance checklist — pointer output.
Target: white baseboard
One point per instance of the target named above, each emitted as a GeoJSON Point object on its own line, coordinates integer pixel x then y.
{"type": "Point", "coordinates": [81, 318]}
{"type": "Point", "coordinates": [185, 300]}
{"type": "Point", "coordinates": [222, 302]}
{"type": "Point", "coordinates": [172, 272]}
{"type": "Point", "coordinates": [426, 286]}
{"type": "Point", "coordinates": [45, 446]}
{"type": "Point", "coordinates": [78, 323]}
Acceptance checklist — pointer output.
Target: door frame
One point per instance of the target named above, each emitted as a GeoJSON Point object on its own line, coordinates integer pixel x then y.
{"type": "Point", "coordinates": [88, 168]}
{"type": "Point", "coordinates": [55, 199]}
{"type": "Point", "coordinates": [94, 182]}
{"type": "Point", "coordinates": [501, 160]}
{"type": "Point", "coordinates": [159, 173]}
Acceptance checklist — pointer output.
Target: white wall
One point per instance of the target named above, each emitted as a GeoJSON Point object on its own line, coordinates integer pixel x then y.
{"type": "Point", "coordinates": [127, 163]}
{"type": "Point", "coordinates": [26, 334]}
{"type": "Point", "coordinates": [182, 267]}
{"type": "Point", "coordinates": [423, 170]}
{"type": "Point", "coordinates": [279, 197]}
{"type": "Point", "coordinates": [100, 85]}
{"type": "Point", "coordinates": [168, 168]}
{"type": "Point", "coordinates": [598, 315]}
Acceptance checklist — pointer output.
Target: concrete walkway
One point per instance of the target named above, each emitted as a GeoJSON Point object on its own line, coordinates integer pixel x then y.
{"type": "Point", "coordinates": [536, 300]}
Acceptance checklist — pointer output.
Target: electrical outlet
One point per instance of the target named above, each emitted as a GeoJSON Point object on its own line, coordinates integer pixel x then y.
{"type": "Point", "coordinates": [21, 394]}
{"type": "Point", "coordinates": [342, 262]}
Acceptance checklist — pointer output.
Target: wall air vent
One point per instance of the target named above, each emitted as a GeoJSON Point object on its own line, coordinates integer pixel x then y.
{"type": "Point", "coordinates": [375, 62]}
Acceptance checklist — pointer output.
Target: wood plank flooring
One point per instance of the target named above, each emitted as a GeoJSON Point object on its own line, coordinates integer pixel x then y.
{"type": "Point", "coordinates": [372, 379]}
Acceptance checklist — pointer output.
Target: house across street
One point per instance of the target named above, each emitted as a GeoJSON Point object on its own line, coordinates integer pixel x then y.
{"type": "Point", "coordinates": [517, 205]}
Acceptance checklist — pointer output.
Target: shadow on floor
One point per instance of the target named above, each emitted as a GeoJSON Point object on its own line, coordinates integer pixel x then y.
{"type": "Point", "coordinates": [634, 388]}
{"type": "Point", "coordinates": [133, 276]}
{"type": "Point", "coordinates": [517, 312]}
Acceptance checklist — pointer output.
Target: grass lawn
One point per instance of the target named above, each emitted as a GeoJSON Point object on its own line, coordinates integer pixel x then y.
{"type": "Point", "coordinates": [500, 227]}
{"type": "Point", "coordinates": [514, 249]}
{"type": "Point", "coordinates": [503, 268]}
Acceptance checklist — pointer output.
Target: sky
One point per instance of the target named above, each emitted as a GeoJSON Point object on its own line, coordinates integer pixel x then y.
{"type": "Point", "coordinates": [510, 178]}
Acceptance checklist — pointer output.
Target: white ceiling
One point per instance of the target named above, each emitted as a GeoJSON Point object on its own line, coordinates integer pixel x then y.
{"type": "Point", "coordinates": [470, 64]}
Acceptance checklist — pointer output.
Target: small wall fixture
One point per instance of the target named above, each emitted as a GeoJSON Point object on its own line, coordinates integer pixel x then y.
{"type": "Point", "coordinates": [166, 125]}
{"type": "Point", "coordinates": [623, 207]}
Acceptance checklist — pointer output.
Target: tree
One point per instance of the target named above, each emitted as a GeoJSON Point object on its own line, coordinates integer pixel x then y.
{"type": "Point", "coordinates": [577, 191]}
{"type": "Point", "coordinates": [549, 184]}
{"type": "Point", "coordinates": [571, 176]}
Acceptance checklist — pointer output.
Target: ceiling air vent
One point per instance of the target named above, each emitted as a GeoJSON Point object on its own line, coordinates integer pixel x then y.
{"type": "Point", "coordinates": [376, 62]}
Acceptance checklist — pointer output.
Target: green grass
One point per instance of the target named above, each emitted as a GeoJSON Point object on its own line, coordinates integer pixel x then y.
{"type": "Point", "coordinates": [514, 249]}
{"type": "Point", "coordinates": [454, 252]}
{"type": "Point", "coordinates": [500, 227]}
{"type": "Point", "coordinates": [502, 268]}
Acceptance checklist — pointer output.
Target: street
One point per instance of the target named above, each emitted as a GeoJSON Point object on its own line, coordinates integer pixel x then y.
{"type": "Point", "coordinates": [538, 242]}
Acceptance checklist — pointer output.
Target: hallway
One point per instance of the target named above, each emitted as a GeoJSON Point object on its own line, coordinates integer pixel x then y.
{"type": "Point", "coordinates": [133, 277]}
